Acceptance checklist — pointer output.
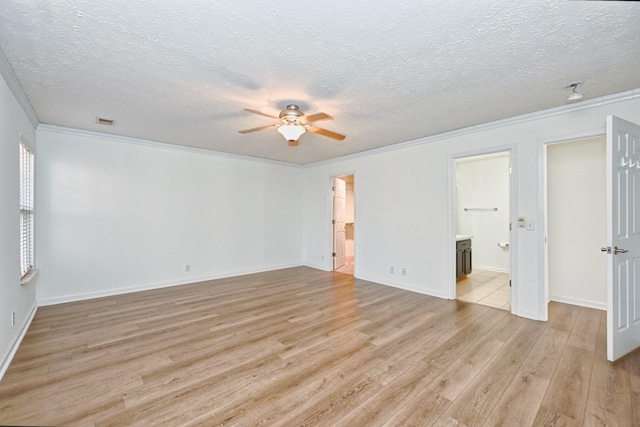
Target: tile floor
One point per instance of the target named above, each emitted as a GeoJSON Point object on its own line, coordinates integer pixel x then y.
{"type": "Point", "coordinates": [481, 287]}
{"type": "Point", "coordinates": [485, 288]}
{"type": "Point", "coordinates": [347, 268]}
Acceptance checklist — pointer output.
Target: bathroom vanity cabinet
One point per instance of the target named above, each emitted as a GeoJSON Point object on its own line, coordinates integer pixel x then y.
{"type": "Point", "coordinates": [463, 257]}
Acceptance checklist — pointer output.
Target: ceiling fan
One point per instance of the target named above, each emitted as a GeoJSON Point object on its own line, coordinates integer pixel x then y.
{"type": "Point", "coordinates": [293, 123]}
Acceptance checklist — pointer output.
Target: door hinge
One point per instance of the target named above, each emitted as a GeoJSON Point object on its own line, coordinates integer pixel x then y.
{"type": "Point", "coordinates": [333, 254]}
{"type": "Point", "coordinates": [333, 221]}
{"type": "Point", "coordinates": [509, 283]}
{"type": "Point", "coordinates": [509, 226]}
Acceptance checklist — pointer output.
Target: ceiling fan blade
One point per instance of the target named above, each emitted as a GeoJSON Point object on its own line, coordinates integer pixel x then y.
{"type": "Point", "coordinates": [260, 112]}
{"type": "Point", "coordinates": [325, 132]}
{"type": "Point", "coordinates": [317, 116]}
{"type": "Point", "coordinates": [258, 128]}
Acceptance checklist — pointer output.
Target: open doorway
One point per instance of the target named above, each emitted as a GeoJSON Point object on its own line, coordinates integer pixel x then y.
{"type": "Point", "coordinates": [599, 176]}
{"type": "Point", "coordinates": [343, 223]}
{"type": "Point", "coordinates": [482, 223]}
{"type": "Point", "coordinates": [576, 222]}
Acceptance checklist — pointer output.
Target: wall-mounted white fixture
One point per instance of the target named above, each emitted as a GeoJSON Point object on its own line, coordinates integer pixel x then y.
{"type": "Point", "coordinates": [574, 96]}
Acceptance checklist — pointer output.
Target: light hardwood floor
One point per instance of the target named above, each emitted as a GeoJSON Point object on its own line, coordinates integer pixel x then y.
{"type": "Point", "coordinates": [301, 347]}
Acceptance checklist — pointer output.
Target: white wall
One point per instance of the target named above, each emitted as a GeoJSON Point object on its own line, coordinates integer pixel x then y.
{"type": "Point", "coordinates": [13, 296]}
{"type": "Point", "coordinates": [577, 219]}
{"type": "Point", "coordinates": [404, 216]}
{"type": "Point", "coordinates": [483, 182]}
{"type": "Point", "coordinates": [115, 216]}
{"type": "Point", "coordinates": [395, 222]}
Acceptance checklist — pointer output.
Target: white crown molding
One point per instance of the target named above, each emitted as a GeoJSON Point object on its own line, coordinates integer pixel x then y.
{"type": "Point", "coordinates": [14, 85]}
{"type": "Point", "coordinates": [523, 118]}
{"type": "Point", "coordinates": [162, 145]}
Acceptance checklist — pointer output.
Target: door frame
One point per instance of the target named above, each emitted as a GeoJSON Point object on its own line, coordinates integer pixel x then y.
{"type": "Point", "coordinates": [543, 250]}
{"type": "Point", "coordinates": [513, 236]}
{"type": "Point", "coordinates": [338, 222]}
{"type": "Point", "coordinates": [330, 218]}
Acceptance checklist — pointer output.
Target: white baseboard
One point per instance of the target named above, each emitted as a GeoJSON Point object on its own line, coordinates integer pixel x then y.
{"type": "Point", "coordinates": [489, 268]}
{"type": "Point", "coordinates": [527, 315]}
{"type": "Point", "coordinates": [429, 292]}
{"type": "Point", "coordinates": [579, 302]}
{"type": "Point", "coordinates": [405, 287]}
{"type": "Point", "coordinates": [317, 266]}
{"type": "Point", "coordinates": [150, 286]}
{"type": "Point", "coordinates": [13, 348]}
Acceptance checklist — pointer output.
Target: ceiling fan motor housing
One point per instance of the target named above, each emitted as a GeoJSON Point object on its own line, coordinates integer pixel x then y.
{"type": "Point", "coordinates": [292, 113]}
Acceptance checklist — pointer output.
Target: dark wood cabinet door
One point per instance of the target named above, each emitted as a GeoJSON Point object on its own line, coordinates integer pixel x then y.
{"type": "Point", "coordinates": [467, 261]}
{"type": "Point", "coordinates": [459, 263]}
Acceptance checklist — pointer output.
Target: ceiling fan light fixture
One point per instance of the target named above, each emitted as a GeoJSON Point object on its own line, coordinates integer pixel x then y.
{"type": "Point", "coordinates": [293, 123]}
{"type": "Point", "coordinates": [291, 131]}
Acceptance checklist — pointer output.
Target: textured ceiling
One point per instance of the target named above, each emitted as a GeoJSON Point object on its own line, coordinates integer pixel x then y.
{"type": "Point", "coordinates": [182, 72]}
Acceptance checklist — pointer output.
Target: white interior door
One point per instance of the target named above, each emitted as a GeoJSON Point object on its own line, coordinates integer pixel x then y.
{"type": "Point", "coordinates": [339, 204]}
{"type": "Point", "coordinates": [623, 237]}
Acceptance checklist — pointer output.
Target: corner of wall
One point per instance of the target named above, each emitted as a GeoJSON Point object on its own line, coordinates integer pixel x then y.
{"type": "Point", "coordinates": [13, 347]}
{"type": "Point", "coordinates": [10, 78]}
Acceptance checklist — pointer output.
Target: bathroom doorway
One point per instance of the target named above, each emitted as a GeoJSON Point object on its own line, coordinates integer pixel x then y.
{"type": "Point", "coordinates": [482, 223]}
{"type": "Point", "coordinates": [343, 224]}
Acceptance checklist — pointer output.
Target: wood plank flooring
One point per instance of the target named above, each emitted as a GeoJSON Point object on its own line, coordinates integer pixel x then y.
{"type": "Point", "coordinates": [302, 347]}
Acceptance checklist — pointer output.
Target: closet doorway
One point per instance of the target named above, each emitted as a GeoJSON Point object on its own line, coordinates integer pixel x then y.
{"type": "Point", "coordinates": [343, 223]}
{"type": "Point", "coordinates": [576, 222]}
{"type": "Point", "coordinates": [482, 224]}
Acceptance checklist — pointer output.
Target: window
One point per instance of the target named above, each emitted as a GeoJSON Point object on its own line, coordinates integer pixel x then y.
{"type": "Point", "coordinates": [26, 211]}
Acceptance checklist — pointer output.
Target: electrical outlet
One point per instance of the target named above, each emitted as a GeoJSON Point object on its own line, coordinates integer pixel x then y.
{"type": "Point", "coordinates": [13, 318]}
{"type": "Point", "coordinates": [391, 270]}
{"type": "Point", "coordinates": [404, 271]}
{"type": "Point", "coordinates": [187, 268]}
{"type": "Point", "coordinates": [521, 222]}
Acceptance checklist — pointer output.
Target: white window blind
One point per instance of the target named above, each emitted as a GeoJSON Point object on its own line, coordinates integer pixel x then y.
{"type": "Point", "coordinates": [26, 211]}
